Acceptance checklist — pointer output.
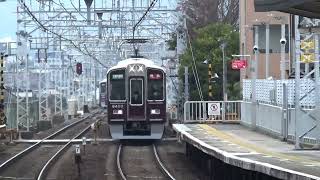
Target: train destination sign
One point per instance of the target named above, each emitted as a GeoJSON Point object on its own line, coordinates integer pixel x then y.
{"type": "Point", "coordinates": [117, 76]}
{"type": "Point", "coordinates": [155, 76]}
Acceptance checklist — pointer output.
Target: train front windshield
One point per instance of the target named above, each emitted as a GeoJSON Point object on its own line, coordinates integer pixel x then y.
{"type": "Point", "coordinates": [155, 85]}
{"type": "Point", "coordinates": [117, 84]}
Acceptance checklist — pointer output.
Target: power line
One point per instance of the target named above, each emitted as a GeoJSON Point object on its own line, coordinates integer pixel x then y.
{"type": "Point", "coordinates": [59, 35]}
{"type": "Point", "coordinates": [194, 68]}
{"type": "Point", "coordinates": [152, 4]}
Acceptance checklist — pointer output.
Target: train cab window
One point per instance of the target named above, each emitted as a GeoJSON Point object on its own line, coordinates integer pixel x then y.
{"type": "Point", "coordinates": [103, 88]}
{"type": "Point", "coordinates": [155, 86]}
{"type": "Point", "coordinates": [117, 85]}
{"type": "Point", "coordinates": [136, 91]}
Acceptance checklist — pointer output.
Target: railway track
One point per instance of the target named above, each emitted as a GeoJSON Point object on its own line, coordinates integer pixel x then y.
{"type": "Point", "coordinates": [34, 161]}
{"type": "Point", "coordinates": [141, 162]}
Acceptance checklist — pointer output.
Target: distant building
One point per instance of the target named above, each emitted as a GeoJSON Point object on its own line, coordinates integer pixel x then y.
{"type": "Point", "coordinates": [248, 20]}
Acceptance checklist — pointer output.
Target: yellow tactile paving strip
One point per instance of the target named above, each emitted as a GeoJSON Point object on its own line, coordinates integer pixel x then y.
{"type": "Point", "coordinates": [253, 147]}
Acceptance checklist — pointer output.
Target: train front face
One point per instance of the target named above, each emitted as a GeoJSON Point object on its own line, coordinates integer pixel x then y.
{"type": "Point", "coordinates": [137, 103]}
{"type": "Point", "coordinates": [103, 94]}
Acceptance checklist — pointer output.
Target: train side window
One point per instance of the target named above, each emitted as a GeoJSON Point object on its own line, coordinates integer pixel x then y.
{"type": "Point", "coordinates": [117, 85]}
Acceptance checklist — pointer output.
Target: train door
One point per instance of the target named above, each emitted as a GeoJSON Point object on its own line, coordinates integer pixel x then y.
{"type": "Point", "coordinates": [136, 104]}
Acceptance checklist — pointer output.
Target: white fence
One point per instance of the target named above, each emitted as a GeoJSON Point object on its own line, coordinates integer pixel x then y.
{"type": "Point", "coordinates": [271, 92]}
{"type": "Point", "coordinates": [270, 120]}
{"type": "Point", "coordinates": [212, 111]}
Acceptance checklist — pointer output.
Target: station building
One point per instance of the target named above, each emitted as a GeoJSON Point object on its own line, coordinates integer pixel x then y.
{"type": "Point", "coordinates": [265, 22]}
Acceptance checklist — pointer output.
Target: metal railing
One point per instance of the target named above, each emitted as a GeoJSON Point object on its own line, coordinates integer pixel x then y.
{"type": "Point", "coordinates": [212, 111]}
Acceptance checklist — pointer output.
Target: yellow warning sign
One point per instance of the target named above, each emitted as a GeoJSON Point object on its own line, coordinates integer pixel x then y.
{"type": "Point", "coordinates": [307, 58]}
{"type": "Point", "coordinates": [307, 45]}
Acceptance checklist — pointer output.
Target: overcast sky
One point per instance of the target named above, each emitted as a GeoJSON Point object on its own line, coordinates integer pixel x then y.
{"type": "Point", "coordinates": [8, 20]}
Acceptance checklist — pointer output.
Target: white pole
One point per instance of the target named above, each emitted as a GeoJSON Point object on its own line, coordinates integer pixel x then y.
{"type": "Point", "coordinates": [317, 75]}
{"type": "Point", "coordinates": [283, 48]}
{"type": "Point", "coordinates": [224, 81]}
{"type": "Point", "coordinates": [267, 49]}
{"type": "Point", "coordinates": [297, 84]}
{"type": "Point", "coordinates": [27, 92]}
{"type": "Point", "coordinates": [254, 74]}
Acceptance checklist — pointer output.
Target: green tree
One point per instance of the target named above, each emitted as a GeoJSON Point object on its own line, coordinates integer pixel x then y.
{"type": "Point", "coordinates": [206, 45]}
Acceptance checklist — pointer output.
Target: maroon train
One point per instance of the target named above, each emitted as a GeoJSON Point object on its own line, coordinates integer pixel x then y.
{"type": "Point", "coordinates": [136, 99]}
{"type": "Point", "coordinates": [103, 93]}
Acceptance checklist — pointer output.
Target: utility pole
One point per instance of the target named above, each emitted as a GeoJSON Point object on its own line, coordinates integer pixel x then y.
{"type": "Point", "coordinates": [186, 84]}
{"type": "Point", "coordinates": [283, 48]}
{"type": "Point", "coordinates": [267, 49]}
{"type": "Point", "coordinates": [2, 91]}
{"type": "Point", "coordinates": [95, 83]}
{"type": "Point", "coordinates": [254, 74]}
{"type": "Point", "coordinates": [224, 85]}
{"type": "Point", "coordinates": [209, 81]}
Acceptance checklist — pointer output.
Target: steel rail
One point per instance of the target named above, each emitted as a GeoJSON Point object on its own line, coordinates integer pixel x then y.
{"type": "Point", "coordinates": [50, 162]}
{"type": "Point", "coordinates": [159, 162]}
{"type": "Point", "coordinates": [163, 168]}
{"type": "Point", "coordinates": [123, 177]}
{"type": "Point", "coordinates": [30, 148]}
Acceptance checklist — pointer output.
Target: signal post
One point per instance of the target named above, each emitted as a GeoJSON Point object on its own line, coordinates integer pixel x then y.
{"type": "Point", "coordinates": [209, 82]}
{"type": "Point", "coordinates": [2, 91]}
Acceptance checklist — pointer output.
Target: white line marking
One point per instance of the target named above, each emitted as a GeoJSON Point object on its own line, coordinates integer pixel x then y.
{"type": "Point", "coordinates": [244, 154]}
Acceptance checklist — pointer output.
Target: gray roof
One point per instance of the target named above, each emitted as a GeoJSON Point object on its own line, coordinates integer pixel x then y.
{"type": "Point", "coordinates": [308, 8]}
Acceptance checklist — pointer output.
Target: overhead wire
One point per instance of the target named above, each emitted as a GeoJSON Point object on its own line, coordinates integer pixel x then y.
{"type": "Point", "coordinates": [78, 29]}
{"type": "Point", "coordinates": [59, 35]}
{"type": "Point", "coordinates": [152, 4]}
{"type": "Point", "coordinates": [194, 68]}
{"type": "Point", "coordinates": [79, 11]}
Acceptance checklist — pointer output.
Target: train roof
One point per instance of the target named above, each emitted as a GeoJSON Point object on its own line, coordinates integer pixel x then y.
{"type": "Point", "coordinates": [124, 63]}
{"type": "Point", "coordinates": [103, 80]}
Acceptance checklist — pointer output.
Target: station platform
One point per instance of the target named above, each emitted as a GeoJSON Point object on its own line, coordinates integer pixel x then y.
{"type": "Point", "coordinates": [241, 147]}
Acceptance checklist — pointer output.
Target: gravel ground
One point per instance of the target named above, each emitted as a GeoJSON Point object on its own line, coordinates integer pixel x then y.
{"type": "Point", "coordinates": [169, 132]}
{"type": "Point", "coordinates": [172, 155]}
{"type": "Point", "coordinates": [97, 163]}
{"type": "Point", "coordinates": [138, 162]}
{"type": "Point", "coordinates": [74, 130]}
{"type": "Point", "coordinates": [9, 150]}
{"type": "Point", "coordinates": [30, 165]}
{"type": "Point", "coordinates": [43, 134]}
{"type": "Point", "coordinates": [103, 131]}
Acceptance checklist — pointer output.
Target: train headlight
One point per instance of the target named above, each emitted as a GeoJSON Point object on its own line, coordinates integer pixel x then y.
{"type": "Point", "coordinates": [118, 111]}
{"type": "Point", "coordinates": [155, 111]}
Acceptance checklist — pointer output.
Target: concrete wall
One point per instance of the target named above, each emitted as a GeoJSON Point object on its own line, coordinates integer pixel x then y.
{"type": "Point", "coordinates": [268, 117]}
{"type": "Point", "coordinates": [269, 120]}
